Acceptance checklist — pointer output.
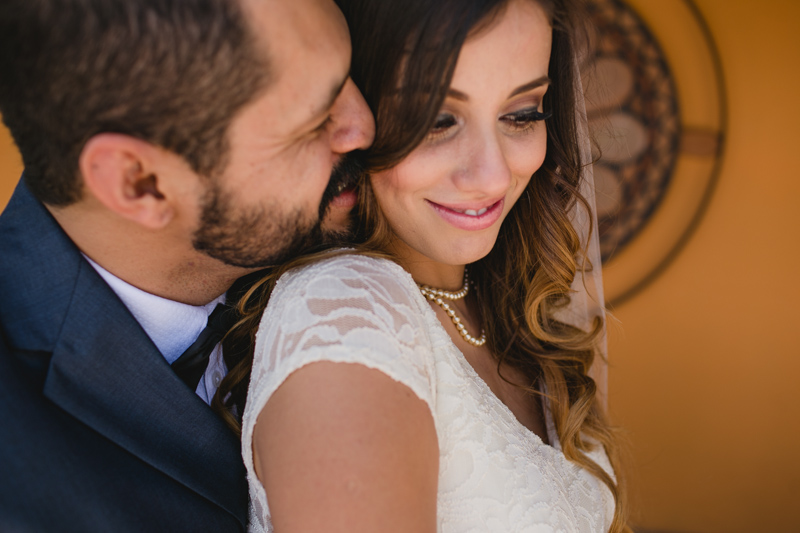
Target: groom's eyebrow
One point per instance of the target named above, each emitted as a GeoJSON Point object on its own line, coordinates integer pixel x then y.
{"type": "Point", "coordinates": [325, 109]}
{"type": "Point", "coordinates": [335, 92]}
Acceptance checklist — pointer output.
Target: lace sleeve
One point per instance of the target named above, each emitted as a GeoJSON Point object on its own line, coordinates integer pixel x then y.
{"type": "Point", "coordinates": [348, 309]}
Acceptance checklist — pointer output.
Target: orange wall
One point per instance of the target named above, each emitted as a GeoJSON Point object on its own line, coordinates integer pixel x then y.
{"type": "Point", "coordinates": [705, 364]}
{"type": "Point", "coordinates": [10, 166]}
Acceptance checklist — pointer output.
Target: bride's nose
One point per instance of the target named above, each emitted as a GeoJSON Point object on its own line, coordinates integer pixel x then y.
{"type": "Point", "coordinates": [486, 169]}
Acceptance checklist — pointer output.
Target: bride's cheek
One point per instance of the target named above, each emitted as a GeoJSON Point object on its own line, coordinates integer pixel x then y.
{"type": "Point", "coordinates": [526, 158]}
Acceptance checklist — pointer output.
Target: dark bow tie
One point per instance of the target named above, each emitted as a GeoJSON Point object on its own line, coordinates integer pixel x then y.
{"type": "Point", "coordinates": [192, 363]}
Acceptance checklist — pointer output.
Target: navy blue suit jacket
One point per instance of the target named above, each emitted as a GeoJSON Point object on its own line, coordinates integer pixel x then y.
{"type": "Point", "coordinates": [97, 433]}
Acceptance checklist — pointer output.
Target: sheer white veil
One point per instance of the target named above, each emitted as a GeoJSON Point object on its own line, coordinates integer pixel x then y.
{"type": "Point", "coordinates": [587, 300]}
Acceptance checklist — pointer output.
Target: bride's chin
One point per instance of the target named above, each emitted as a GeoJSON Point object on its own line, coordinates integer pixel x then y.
{"type": "Point", "coordinates": [465, 255]}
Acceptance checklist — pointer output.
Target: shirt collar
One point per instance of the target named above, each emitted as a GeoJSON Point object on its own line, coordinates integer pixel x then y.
{"type": "Point", "coordinates": [172, 326]}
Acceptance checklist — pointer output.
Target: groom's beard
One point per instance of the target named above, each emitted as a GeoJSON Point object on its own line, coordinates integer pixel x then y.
{"type": "Point", "coordinates": [345, 175]}
{"type": "Point", "coordinates": [253, 236]}
{"type": "Point", "coordinates": [257, 236]}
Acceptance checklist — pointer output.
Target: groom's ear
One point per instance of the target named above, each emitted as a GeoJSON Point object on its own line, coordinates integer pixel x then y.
{"type": "Point", "coordinates": [122, 173]}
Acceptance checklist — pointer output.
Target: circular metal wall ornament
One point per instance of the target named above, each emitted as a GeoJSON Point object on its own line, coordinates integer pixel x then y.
{"type": "Point", "coordinates": [633, 114]}
{"type": "Point", "coordinates": [656, 104]}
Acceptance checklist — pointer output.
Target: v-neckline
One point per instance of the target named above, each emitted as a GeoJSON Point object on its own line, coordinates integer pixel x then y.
{"type": "Point", "coordinates": [483, 386]}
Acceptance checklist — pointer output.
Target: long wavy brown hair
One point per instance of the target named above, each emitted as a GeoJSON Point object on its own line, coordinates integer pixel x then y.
{"type": "Point", "coordinates": [404, 57]}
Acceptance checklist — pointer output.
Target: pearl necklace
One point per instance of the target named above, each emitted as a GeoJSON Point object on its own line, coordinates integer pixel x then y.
{"type": "Point", "coordinates": [438, 296]}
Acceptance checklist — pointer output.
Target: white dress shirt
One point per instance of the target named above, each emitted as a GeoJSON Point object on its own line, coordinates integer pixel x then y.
{"type": "Point", "coordinates": [171, 325]}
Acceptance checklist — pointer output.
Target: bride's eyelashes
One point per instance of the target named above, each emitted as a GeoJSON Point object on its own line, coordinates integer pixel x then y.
{"type": "Point", "coordinates": [525, 119]}
{"type": "Point", "coordinates": [520, 121]}
{"type": "Point", "coordinates": [443, 124]}
{"type": "Point", "coordinates": [444, 121]}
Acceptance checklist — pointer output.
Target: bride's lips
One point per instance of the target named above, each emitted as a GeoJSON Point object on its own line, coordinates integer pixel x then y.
{"type": "Point", "coordinates": [456, 215]}
{"type": "Point", "coordinates": [345, 199]}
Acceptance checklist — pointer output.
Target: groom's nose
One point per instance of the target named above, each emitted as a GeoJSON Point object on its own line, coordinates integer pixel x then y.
{"type": "Point", "coordinates": [352, 124]}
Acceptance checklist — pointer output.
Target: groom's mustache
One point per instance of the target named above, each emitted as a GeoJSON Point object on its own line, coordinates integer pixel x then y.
{"type": "Point", "coordinates": [345, 175]}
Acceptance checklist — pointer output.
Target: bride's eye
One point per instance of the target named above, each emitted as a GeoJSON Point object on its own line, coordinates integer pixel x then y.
{"type": "Point", "coordinates": [525, 119]}
{"type": "Point", "coordinates": [444, 121]}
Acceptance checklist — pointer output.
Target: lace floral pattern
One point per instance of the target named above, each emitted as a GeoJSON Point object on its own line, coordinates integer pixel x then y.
{"type": "Point", "coordinates": [494, 474]}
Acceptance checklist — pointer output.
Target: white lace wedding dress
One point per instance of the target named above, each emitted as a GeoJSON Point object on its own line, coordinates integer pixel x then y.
{"type": "Point", "coordinates": [494, 474]}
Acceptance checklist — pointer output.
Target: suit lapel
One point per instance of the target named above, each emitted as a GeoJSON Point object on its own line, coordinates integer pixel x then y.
{"type": "Point", "coordinates": [105, 370]}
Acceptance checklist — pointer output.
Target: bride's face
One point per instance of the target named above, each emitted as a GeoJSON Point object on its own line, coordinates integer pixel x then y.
{"type": "Point", "coordinates": [446, 201]}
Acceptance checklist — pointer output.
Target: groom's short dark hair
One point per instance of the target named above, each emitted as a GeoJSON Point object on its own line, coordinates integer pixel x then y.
{"type": "Point", "coordinates": [170, 72]}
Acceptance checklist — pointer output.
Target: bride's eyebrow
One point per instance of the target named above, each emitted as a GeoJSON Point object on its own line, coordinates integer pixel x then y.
{"type": "Point", "coordinates": [458, 95]}
{"type": "Point", "coordinates": [538, 82]}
